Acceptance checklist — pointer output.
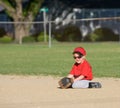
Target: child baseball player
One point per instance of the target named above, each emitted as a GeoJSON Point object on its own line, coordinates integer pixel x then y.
{"type": "Point", "coordinates": [81, 71]}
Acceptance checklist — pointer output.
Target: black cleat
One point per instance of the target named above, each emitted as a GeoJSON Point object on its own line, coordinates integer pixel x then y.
{"type": "Point", "coordinates": [94, 85]}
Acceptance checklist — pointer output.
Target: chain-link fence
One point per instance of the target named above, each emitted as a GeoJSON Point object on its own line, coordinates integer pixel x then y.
{"type": "Point", "coordinates": [67, 30]}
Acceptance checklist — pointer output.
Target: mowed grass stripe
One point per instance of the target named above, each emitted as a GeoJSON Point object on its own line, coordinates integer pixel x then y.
{"type": "Point", "coordinates": [38, 59]}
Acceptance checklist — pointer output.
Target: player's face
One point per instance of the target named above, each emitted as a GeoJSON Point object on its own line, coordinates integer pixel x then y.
{"type": "Point", "coordinates": [78, 58]}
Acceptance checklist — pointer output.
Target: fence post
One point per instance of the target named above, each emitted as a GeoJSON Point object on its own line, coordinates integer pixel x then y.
{"type": "Point", "coordinates": [50, 34]}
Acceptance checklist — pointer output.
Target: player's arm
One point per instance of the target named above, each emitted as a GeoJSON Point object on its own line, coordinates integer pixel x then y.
{"type": "Point", "coordinates": [70, 76]}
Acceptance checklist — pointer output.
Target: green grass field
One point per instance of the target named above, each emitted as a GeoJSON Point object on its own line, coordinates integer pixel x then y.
{"type": "Point", "coordinates": [38, 59]}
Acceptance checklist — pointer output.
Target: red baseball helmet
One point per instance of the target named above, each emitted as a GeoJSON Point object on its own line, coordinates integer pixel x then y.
{"type": "Point", "coordinates": [81, 50]}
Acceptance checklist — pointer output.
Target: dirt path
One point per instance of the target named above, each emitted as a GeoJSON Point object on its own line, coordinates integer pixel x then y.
{"type": "Point", "coordinates": [43, 92]}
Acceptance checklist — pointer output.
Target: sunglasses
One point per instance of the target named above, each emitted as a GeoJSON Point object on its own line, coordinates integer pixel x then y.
{"type": "Point", "coordinates": [77, 57]}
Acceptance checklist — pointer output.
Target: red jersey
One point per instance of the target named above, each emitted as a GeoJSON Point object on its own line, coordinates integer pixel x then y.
{"type": "Point", "coordinates": [84, 69]}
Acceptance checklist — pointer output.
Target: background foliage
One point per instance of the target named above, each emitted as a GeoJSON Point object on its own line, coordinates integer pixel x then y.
{"type": "Point", "coordinates": [69, 33]}
{"type": "Point", "coordinates": [102, 34]}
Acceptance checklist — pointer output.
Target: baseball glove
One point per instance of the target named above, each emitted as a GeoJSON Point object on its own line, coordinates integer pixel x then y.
{"type": "Point", "coordinates": [65, 82]}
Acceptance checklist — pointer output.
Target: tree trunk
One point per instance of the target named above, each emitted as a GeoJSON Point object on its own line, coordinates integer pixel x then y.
{"type": "Point", "coordinates": [21, 30]}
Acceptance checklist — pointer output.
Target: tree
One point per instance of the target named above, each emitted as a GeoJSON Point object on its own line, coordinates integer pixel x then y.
{"type": "Point", "coordinates": [14, 8]}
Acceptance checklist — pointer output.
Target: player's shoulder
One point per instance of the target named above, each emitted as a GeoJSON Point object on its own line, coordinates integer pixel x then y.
{"type": "Point", "coordinates": [86, 62]}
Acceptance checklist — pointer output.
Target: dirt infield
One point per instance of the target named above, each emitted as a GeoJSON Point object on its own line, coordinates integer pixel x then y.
{"type": "Point", "coordinates": [43, 92]}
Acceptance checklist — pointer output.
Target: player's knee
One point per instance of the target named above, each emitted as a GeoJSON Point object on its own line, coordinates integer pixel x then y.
{"type": "Point", "coordinates": [80, 84]}
{"type": "Point", "coordinates": [75, 85]}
